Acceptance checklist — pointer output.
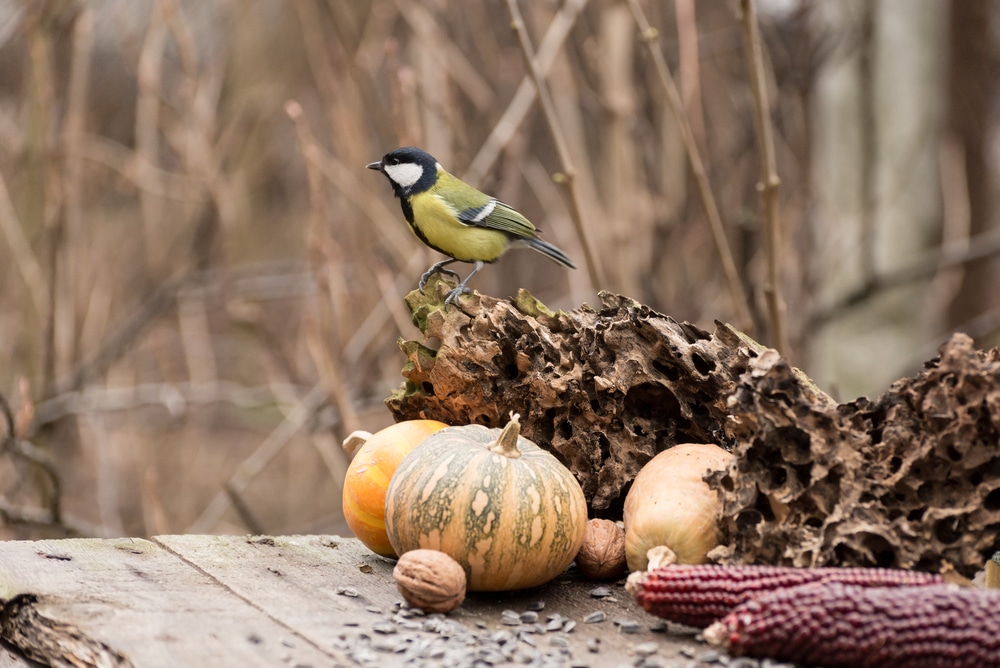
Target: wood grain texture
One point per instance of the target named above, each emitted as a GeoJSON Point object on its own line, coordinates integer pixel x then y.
{"type": "Point", "coordinates": [302, 600]}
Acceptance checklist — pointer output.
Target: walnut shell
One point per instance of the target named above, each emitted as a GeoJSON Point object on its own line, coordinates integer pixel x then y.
{"type": "Point", "coordinates": [602, 555]}
{"type": "Point", "coordinates": [430, 580]}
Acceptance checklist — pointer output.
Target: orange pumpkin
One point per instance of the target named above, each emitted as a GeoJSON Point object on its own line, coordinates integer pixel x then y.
{"type": "Point", "coordinates": [368, 477]}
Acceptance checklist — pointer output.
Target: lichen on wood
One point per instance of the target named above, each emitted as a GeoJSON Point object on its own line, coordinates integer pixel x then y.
{"type": "Point", "coordinates": [604, 389]}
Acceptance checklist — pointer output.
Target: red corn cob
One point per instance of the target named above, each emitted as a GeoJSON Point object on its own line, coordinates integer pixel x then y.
{"type": "Point", "coordinates": [700, 595]}
{"type": "Point", "coordinates": [832, 625]}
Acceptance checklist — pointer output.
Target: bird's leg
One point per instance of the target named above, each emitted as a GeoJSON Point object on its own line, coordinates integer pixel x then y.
{"type": "Point", "coordinates": [461, 289]}
{"type": "Point", "coordinates": [439, 266]}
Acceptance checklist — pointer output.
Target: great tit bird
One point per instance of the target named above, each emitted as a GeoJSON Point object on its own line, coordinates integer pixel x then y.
{"type": "Point", "coordinates": [454, 218]}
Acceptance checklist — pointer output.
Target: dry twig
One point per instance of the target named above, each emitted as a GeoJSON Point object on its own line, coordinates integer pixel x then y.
{"type": "Point", "coordinates": [520, 104]}
{"type": "Point", "coordinates": [594, 267]}
{"type": "Point", "coordinates": [736, 289]}
{"type": "Point", "coordinates": [768, 186]}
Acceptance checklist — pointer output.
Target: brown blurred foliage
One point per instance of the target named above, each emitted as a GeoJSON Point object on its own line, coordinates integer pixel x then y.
{"type": "Point", "coordinates": [202, 286]}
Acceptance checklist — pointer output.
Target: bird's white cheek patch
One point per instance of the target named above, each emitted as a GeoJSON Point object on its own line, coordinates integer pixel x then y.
{"type": "Point", "coordinates": [404, 175]}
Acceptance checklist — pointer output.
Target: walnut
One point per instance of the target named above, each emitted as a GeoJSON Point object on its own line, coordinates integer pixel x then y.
{"type": "Point", "coordinates": [602, 555]}
{"type": "Point", "coordinates": [430, 580]}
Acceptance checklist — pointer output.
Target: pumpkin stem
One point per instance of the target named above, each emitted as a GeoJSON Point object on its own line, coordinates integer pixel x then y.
{"type": "Point", "coordinates": [506, 443]}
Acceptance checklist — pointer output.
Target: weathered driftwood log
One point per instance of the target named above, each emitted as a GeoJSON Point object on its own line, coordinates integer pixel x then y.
{"type": "Point", "coordinates": [603, 389]}
{"type": "Point", "coordinates": [911, 480]}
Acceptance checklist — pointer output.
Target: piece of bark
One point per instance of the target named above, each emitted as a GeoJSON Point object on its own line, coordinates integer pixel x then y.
{"type": "Point", "coordinates": [24, 624]}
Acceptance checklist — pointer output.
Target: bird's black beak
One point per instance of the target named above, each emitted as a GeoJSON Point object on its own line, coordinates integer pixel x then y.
{"type": "Point", "coordinates": [377, 166]}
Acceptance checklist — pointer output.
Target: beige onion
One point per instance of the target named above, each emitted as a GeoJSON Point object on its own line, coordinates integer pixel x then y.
{"type": "Point", "coordinates": [671, 505]}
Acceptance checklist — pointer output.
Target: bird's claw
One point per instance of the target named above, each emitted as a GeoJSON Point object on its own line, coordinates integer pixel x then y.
{"type": "Point", "coordinates": [430, 272]}
{"type": "Point", "coordinates": [455, 294]}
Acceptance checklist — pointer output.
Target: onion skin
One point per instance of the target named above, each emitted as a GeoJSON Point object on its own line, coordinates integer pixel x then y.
{"type": "Point", "coordinates": [670, 504]}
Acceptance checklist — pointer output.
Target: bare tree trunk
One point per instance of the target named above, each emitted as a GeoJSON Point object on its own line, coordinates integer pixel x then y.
{"type": "Point", "coordinates": [972, 86]}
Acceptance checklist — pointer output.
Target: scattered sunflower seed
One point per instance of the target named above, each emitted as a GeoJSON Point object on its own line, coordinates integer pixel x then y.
{"type": "Point", "coordinates": [347, 591]}
{"type": "Point", "coordinates": [502, 637]}
{"type": "Point", "coordinates": [569, 626]}
{"type": "Point", "coordinates": [529, 617]}
{"type": "Point", "coordinates": [375, 609]}
{"type": "Point", "coordinates": [510, 618]}
{"type": "Point", "coordinates": [594, 645]}
{"type": "Point", "coordinates": [659, 626]}
{"type": "Point", "coordinates": [646, 648]}
{"type": "Point", "coordinates": [384, 645]}
{"type": "Point", "coordinates": [594, 617]}
{"type": "Point", "coordinates": [490, 656]}
{"type": "Point", "coordinates": [558, 641]}
{"type": "Point", "coordinates": [710, 656]}
{"type": "Point", "coordinates": [743, 662]}
{"type": "Point", "coordinates": [385, 628]}
{"type": "Point", "coordinates": [536, 605]}
{"type": "Point", "coordinates": [628, 625]}
{"type": "Point", "coordinates": [687, 651]}
{"type": "Point", "coordinates": [600, 592]}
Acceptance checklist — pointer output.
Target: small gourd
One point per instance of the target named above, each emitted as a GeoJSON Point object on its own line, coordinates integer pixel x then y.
{"type": "Point", "coordinates": [506, 510]}
{"type": "Point", "coordinates": [368, 477]}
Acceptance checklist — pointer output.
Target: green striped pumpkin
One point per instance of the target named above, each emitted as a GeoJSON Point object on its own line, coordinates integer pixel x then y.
{"type": "Point", "coordinates": [506, 510]}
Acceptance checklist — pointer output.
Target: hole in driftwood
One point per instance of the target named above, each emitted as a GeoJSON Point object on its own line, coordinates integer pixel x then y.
{"type": "Point", "coordinates": [992, 500]}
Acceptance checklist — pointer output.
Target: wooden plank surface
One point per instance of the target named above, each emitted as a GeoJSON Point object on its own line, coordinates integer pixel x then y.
{"type": "Point", "coordinates": [302, 600]}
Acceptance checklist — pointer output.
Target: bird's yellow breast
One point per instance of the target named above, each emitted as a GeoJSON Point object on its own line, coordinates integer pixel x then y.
{"type": "Point", "coordinates": [440, 228]}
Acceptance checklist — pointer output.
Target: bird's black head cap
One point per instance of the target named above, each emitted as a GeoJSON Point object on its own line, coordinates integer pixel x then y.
{"type": "Point", "coordinates": [409, 169]}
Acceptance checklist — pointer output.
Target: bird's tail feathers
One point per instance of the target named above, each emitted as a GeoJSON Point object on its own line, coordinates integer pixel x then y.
{"type": "Point", "coordinates": [550, 251]}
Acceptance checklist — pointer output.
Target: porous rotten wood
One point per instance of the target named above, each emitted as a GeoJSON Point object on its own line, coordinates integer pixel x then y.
{"type": "Point", "coordinates": [910, 480]}
{"type": "Point", "coordinates": [604, 389]}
